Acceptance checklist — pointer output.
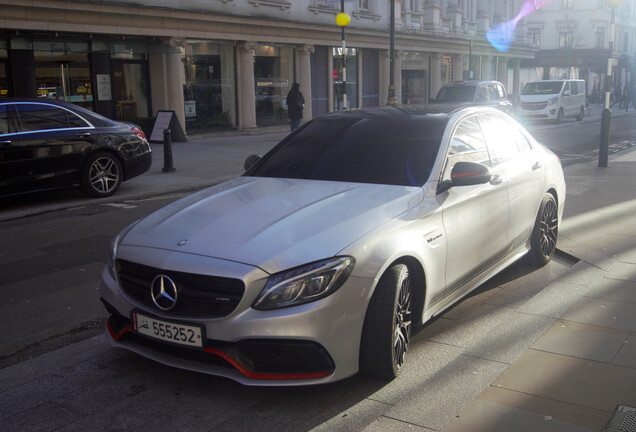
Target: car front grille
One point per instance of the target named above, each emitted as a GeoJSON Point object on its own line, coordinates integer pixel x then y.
{"type": "Point", "coordinates": [200, 296]}
{"type": "Point", "coordinates": [533, 106]}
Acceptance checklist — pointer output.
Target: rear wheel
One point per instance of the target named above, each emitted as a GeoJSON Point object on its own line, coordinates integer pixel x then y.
{"type": "Point", "coordinates": [387, 325]}
{"type": "Point", "coordinates": [544, 235]}
{"type": "Point", "coordinates": [102, 175]}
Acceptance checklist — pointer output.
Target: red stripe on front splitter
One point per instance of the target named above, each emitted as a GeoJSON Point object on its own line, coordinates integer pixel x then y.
{"type": "Point", "coordinates": [234, 363]}
{"type": "Point", "coordinates": [263, 376]}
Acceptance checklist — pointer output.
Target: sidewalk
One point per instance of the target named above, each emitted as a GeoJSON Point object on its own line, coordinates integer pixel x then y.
{"type": "Point", "coordinates": [571, 377]}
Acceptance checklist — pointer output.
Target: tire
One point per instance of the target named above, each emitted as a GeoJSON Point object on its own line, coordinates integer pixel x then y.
{"type": "Point", "coordinates": [544, 234]}
{"type": "Point", "coordinates": [581, 114]}
{"type": "Point", "coordinates": [559, 117]}
{"type": "Point", "coordinates": [387, 325]}
{"type": "Point", "coordinates": [102, 175]}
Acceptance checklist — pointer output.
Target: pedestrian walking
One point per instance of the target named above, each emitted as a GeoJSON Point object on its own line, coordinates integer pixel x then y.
{"type": "Point", "coordinates": [295, 106]}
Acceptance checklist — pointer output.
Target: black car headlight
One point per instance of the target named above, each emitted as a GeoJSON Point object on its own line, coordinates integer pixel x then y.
{"type": "Point", "coordinates": [114, 245]}
{"type": "Point", "coordinates": [304, 284]}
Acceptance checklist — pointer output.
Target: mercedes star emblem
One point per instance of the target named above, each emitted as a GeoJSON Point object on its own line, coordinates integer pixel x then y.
{"type": "Point", "coordinates": [163, 291]}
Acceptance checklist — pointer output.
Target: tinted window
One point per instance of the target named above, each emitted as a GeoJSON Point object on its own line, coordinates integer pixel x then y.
{"type": "Point", "coordinates": [75, 121]}
{"type": "Point", "coordinates": [460, 93]}
{"type": "Point", "coordinates": [353, 148]}
{"type": "Point", "coordinates": [4, 121]}
{"type": "Point", "coordinates": [467, 145]}
{"type": "Point", "coordinates": [34, 117]}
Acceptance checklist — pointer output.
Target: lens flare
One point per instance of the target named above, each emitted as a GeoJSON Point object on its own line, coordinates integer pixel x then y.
{"type": "Point", "coordinates": [501, 35]}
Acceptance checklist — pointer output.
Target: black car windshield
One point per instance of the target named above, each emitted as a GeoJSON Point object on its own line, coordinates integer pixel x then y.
{"type": "Point", "coordinates": [542, 88]}
{"type": "Point", "coordinates": [352, 148]}
{"type": "Point", "coordinates": [460, 93]}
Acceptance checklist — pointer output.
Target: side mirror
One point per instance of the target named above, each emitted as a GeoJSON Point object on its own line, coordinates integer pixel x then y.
{"type": "Point", "coordinates": [250, 161]}
{"type": "Point", "coordinates": [469, 173]}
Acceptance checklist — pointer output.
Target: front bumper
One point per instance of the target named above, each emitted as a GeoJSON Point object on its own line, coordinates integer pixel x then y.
{"type": "Point", "coordinates": [312, 343]}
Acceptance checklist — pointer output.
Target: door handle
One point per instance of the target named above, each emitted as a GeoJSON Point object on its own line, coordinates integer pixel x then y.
{"type": "Point", "coordinates": [84, 135]}
{"type": "Point", "coordinates": [496, 180]}
{"type": "Point", "coordinates": [5, 142]}
{"type": "Point", "coordinates": [536, 166]}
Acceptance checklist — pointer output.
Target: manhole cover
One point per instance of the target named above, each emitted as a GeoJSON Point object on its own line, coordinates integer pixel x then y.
{"type": "Point", "coordinates": [623, 420]}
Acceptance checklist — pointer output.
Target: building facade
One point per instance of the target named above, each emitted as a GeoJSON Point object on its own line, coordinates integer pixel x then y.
{"type": "Point", "coordinates": [573, 40]}
{"type": "Point", "coordinates": [228, 64]}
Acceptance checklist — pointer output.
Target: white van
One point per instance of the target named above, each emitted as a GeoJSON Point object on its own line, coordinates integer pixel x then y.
{"type": "Point", "coordinates": [552, 100]}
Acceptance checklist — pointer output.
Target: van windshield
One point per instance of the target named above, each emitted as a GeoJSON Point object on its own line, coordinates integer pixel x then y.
{"type": "Point", "coordinates": [542, 88]}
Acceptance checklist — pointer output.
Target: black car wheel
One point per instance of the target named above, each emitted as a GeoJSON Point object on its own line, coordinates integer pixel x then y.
{"type": "Point", "coordinates": [559, 117]}
{"type": "Point", "coordinates": [102, 175]}
{"type": "Point", "coordinates": [581, 114]}
{"type": "Point", "coordinates": [544, 235]}
{"type": "Point", "coordinates": [387, 325]}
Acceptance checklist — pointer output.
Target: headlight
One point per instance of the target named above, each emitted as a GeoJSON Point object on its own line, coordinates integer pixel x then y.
{"type": "Point", "coordinates": [114, 244]}
{"type": "Point", "coordinates": [304, 284]}
{"type": "Point", "coordinates": [553, 100]}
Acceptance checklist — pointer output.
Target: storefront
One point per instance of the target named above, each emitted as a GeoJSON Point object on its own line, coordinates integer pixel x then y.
{"type": "Point", "coordinates": [273, 77]}
{"type": "Point", "coordinates": [351, 81]}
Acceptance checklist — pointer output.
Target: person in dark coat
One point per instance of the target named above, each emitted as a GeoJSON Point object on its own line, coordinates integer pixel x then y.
{"type": "Point", "coordinates": [295, 105]}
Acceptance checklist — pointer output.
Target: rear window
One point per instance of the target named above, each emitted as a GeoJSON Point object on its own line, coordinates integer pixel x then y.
{"type": "Point", "coordinates": [458, 93]}
{"type": "Point", "coordinates": [385, 150]}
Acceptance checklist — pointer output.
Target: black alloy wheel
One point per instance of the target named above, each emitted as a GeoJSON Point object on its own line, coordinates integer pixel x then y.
{"type": "Point", "coordinates": [102, 175]}
{"type": "Point", "coordinates": [544, 235]}
{"type": "Point", "coordinates": [387, 326]}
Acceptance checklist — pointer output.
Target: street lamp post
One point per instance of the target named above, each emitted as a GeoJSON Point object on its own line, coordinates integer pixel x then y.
{"type": "Point", "coordinates": [603, 149]}
{"type": "Point", "coordinates": [392, 99]}
{"type": "Point", "coordinates": [343, 20]}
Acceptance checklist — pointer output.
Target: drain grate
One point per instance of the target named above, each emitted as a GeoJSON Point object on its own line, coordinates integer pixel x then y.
{"type": "Point", "coordinates": [623, 420]}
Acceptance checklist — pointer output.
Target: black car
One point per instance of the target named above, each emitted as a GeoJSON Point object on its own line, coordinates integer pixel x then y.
{"type": "Point", "coordinates": [48, 144]}
{"type": "Point", "coordinates": [489, 93]}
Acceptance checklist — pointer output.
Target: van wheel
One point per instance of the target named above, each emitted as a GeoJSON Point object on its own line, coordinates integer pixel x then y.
{"type": "Point", "coordinates": [581, 114]}
{"type": "Point", "coordinates": [559, 117]}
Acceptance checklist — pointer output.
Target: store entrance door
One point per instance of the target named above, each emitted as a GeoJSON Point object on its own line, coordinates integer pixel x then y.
{"type": "Point", "coordinates": [130, 90]}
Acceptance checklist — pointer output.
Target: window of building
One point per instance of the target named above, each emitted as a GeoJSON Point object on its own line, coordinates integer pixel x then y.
{"type": "Point", "coordinates": [567, 4]}
{"type": "Point", "coordinates": [363, 5]}
{"type": "Point", "coordinates": [352, 73]}
{"type": "Point", "coordinates": [565, 39]}
{"type": "Point", "coordinates": [273, 77]}
{"type": "Point", "coordinates": [599, 38]}
{"type": "Point", "coordinates": [4, 90]}
{"type": "Point", "coordinates": [625, 42]}
{"type": "Point", "coordinates": [534, 37]}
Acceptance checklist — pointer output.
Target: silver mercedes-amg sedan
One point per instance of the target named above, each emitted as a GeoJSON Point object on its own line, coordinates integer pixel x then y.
{"type": "Point", "coordinates": [317, 262]}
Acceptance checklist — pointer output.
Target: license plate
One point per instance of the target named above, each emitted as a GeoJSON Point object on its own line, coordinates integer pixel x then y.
{"type": "Point", "coordinates": [181, 334]}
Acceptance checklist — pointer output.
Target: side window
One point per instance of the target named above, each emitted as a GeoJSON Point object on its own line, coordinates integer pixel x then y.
{"type": "Point", "coordinates": [574, 88]}
{"type": "Point", "coordinates": [523, 144]}
{"type": "Point", "coordinates": [502, 92]}
{"type": "Point", "coordinates": [75, 120]}
{"type": "Point", "coordinates": [482, 94]}
{"type": "Point", "coordinates": [493, 93]}
{"type": "Point", "coordinates": [566, 87]}
{"type": "Point", "coordinates": [499, 136]}
{"type": "Point", "coordinates": [466, 145]}
{"type": "Point", "coordinates": [35, 117]}
{"type": "Point", "coordinates": [4, 120]}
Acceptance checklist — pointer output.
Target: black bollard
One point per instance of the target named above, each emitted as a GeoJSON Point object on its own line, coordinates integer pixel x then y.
{"type": "Point", "coordinates": [167, 151]}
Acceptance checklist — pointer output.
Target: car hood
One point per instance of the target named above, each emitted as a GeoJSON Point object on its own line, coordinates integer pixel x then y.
{"type": "Point", "coordinates": [274, 224]}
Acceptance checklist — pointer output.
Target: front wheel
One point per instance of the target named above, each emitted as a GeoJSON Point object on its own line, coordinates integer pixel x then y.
{"type": "Point", "coordinates": [581, 114]}
{"type": "Point", "coordinates": [102, 175]}
{"type": "Point", "coordinates": [387, 325]}
{"type": "Point", "coordinates": [559, 117]}
{"type": "Point", "coordinates": [544, 234]}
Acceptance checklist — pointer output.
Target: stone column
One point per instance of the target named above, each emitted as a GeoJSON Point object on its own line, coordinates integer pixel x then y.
{"type": "Point", "coordinates": [397, 75]}
{"type": "Point", "coordinates": [516, 85]}
{"type": "Point", "coordinates": [304, 77]}
{"type": "Point", "coordinates": [485, 68]}
{"type": "Point", "coordinates": [436, 74]}
{"type": "Point", "coordinates": [458, 67]}
{"type": "Point", "coordinates": [385, 64]}
{"type": "Point", "coordinates": [483, 17]}
{"type": "Point", "coordinates": [454, 13]}
{"type": "Point", "coordinates": [245, 85]}
{"type": "Point", "coordinates": [174, 78]}
{"type": "Point", "coordinates": [502, 71]}
{"type": "Point", "coordinates": [432, 17]}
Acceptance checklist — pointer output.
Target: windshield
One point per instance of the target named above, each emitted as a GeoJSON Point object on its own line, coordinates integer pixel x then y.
{"type": "Point", "coordinates": [456, 94]}
{"type": "Point", "coordinates": [542, 88]}
{"type": "Point", "coordinates": [353, 148]}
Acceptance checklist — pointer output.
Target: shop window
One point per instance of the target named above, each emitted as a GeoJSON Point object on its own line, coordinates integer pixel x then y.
{"type": "Point", "coordinates": [352, 73]}
{"type": "Point", "coordinates": [273, 77]}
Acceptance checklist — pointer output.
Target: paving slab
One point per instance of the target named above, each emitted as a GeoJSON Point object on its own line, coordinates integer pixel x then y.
{"type": "Point", "coordinates": [584, 341]}
{"type": "Point", "coordinates": [606, 313]}
{"type": "Point", "coordinates": [571, 380]}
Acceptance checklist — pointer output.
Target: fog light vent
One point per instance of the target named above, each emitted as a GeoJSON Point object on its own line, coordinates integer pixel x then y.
{"type": "Point", "coordinates": [623, 420]}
